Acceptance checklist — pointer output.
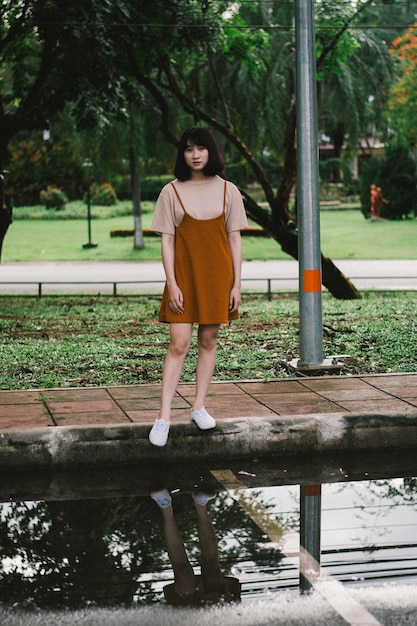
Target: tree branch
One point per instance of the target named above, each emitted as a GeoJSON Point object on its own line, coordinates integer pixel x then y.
{"type": "Point", "coordinates": [159, 98]}
{"type": "Point", "coordinates": [191, 107]}
{"type": "Point", "coordinates": [219, 89]}
{"type": "Point", "coordinates": [333, 42]}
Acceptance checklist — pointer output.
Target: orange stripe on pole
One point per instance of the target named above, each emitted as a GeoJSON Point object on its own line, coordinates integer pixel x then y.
{"type": "Point", "coordinates": [312, 490]}
{"type": "Point", "coordinates": [312, 280]}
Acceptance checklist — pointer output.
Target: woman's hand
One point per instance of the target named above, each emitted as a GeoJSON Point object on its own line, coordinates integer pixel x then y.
{"type": "Point", "coordinates": [234, 299]}
{"type": "Point", "coordinates": [175, 299]}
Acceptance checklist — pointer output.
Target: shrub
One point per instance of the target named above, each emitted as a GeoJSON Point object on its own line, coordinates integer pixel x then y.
{"type": "Point", "coordinates": [395, 173]}
{"type": "Point", "coordinates": [103, 195]}
{"type": "Point", "coordinates": [122, 186]}
{"type": "Point", "coordinates": [34, 165]}
{"type": "Point", "coordinates": [53, 198]}
{"type": "Point", "coordinates": [152, 185]}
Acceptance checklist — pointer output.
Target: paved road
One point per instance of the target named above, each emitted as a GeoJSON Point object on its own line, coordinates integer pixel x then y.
{"type": "Point", "coordinates": [148, 276]}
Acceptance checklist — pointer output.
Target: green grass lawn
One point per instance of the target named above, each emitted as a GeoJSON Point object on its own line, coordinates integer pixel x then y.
{"type": "Point", "coordinates": [72, 342]}
{"type": "Point", "coordinates": [345, 234]}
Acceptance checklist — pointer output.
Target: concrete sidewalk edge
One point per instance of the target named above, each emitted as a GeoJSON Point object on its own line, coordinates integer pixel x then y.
{"type": "Point", "coordinates": [243, 438]}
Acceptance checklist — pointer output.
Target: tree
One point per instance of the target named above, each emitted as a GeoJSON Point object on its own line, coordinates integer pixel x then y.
{"type": "Point", "coordinates": [403, 93]}
{"type": "Point", "coordinates": [204, 83]}
{"type": "Point", "coordinates": [229, 65]}
{"type": "Point", "coordinates": [41, 42]}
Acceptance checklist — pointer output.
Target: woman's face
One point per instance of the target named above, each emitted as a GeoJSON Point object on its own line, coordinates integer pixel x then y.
{"type": "Point", "coordinates": [196, 157]}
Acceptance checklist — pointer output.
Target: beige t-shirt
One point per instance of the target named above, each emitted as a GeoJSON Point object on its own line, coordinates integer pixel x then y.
{"type": "Point", "coordinates": [202, 200]}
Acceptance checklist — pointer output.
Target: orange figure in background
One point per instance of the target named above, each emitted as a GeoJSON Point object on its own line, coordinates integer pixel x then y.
{"type": "Point", "coordinates": [380, 199]}
{"type": "Point", "coordinates": [377, 199]}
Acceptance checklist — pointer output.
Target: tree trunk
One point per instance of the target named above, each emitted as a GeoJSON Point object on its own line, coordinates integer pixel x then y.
{"type": "Point", "coordinates": [333, 279]}
{"type": "Point", "coordinates": [5, 221]}
{"type": "Point", "coordinates": [6, 212]}
{"type": "Point", "coordinates": [138, 239]}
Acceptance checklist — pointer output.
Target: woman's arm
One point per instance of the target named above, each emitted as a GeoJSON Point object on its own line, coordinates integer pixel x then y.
{"type": "Point", "coordinates": [235, 245]}
{"type": "Point", "coordinates": [175, 296]}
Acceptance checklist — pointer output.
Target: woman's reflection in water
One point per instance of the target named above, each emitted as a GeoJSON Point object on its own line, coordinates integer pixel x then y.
{"type": "Point", "coordinates": [189, 588]}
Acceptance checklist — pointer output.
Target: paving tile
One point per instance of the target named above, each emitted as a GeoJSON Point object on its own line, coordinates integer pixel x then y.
{"type": "Point", "coordinates": [400, 391]}
{"type": "Point", "coordinates": [153, 404]}
{"type": "Point", "coordinates": [139, 404]}
{"type": "Point", "coordinates": [236, 406]}
{"type": "Point", "coordinates": [74, 394]}
{"type": "Point", "coordinates": [20, 397]}
{"type": "Point", "coordinates": [313, 404]}
{"type": "Point", "coordinates": [80, 406]}
{"type": "Point", "coordinates": [355, 394]}
{"type": "Point", "coordinates": [318, 406]}
{"type": "Point", "coordinates": [392, 380]}
{"type": "Point", "coordinates": [376, 406]}
{"type": "Point", "coordinates": [278, 386]}
{"type": "Point", "coordinates": [89, 419]}
{"type": "Point", "coordinates": [135, 391]}
{"type": "Point", "coordinates": [288, 398]}
{"type": "Point", "coordinates": [147, 417]}
{"type": "Point", "coordinates": [335, 383]}
{"type": "Point", "coordinates": [215, 389]}
{"type": "Point", "coordinates": [24, 416]}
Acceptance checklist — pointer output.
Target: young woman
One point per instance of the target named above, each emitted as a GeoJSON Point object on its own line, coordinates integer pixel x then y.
{"type": "Point", "coordinates": [199, 216]}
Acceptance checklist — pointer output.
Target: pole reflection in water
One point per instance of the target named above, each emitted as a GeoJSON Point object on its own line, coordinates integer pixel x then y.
{"type": "Point", "coordinates": [310, 535]}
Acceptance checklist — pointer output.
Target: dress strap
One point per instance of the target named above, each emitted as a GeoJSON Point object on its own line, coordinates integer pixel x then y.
{"type": "Point", "coordinates": [224, 196]}
{"type": "Point", "coordinates": [178, 196]}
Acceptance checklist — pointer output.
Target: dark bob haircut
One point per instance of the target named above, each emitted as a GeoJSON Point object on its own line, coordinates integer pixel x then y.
{"type": "Point", "coordinates": [198, 136]}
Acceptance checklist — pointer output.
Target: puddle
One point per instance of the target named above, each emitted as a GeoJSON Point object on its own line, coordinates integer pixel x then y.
{"type": "Point", "coordinates": [90, 547]}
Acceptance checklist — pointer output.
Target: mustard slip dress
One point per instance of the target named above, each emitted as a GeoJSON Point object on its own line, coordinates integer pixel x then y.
{"type": "Point", "coordinates": [203, 270]}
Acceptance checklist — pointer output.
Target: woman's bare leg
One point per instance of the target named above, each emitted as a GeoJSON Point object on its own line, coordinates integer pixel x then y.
{"type": "Point", "coordinates": [210, 564]}
{"type": "Point", "coordinates": [183, 571]}
{"type": "Point", "coordinates": [207, 349]}
{"type": "Point", "coordinates": [180, 340]}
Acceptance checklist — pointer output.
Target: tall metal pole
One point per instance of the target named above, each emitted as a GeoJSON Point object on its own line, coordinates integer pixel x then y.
{"type": "Point", "coordinates": [311, 327]}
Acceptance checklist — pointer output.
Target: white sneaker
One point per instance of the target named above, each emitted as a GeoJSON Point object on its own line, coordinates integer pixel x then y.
{"type": "Point", "coordinates": [202, 498]}
{"type": "Point", "coordinates": [203, 419]}
{"type": "Point", "coordinates": [162, 498]}
{"type": "Point", "coordinates": [159, 433]}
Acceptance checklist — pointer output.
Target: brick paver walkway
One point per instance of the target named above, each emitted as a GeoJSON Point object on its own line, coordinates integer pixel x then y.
{"type": "Point", "coordinates": [388, 394]}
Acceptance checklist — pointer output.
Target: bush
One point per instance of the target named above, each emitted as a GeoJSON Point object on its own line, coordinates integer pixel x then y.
{"type": "Point", "coordinates": [395, 173]}
{"type": "Point", "coordinates": [152, 185]}
{"type": "Point", "coordinates": [122, 186]}
{"type": "Point", "coordinates": [53, 198]}
{"type": "Point", "coordinates": [103, 195]}
{"type": "Point", "coordinates": [34, 165]}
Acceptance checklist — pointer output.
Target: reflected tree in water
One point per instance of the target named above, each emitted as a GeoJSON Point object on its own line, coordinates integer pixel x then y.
{"type": "Point", "coordinates": [106, 552]}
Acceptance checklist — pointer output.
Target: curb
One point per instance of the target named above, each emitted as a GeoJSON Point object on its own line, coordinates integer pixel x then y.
{"type": "Point", "coordinates": [244, 438]}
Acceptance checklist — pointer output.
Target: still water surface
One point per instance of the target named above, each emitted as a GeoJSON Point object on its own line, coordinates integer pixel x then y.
{"type": "Point", "coordinates": [95, 541]}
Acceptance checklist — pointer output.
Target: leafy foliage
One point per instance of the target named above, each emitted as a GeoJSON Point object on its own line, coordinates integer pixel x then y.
{"type": "Point", "coordinates": [103, 195]}
{"type": "Point", "coordinates": [53, 198]}
{"type": "Point", "coordinates": [34, 166]}
{"type": "Point", "coordinates": [401, 103]}
{"type": "Point", "coordinates": [396, 174]}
